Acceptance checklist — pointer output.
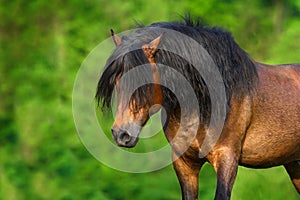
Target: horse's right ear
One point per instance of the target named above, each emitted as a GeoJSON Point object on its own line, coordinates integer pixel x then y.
{"type": "Point", "coordinates": [151, 48]}
{"type": "Point", "coordinates": [117, 40]}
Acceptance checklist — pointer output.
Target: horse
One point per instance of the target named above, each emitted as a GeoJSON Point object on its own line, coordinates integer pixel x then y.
{"type": "Point", "coordinates": [260, 103]}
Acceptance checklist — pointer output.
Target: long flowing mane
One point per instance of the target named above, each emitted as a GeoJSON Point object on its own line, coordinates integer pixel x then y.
{"type": "Point", "coordinates": [235, 66]}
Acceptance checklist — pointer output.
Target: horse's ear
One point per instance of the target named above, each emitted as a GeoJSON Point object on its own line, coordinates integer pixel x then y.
{"type": "Point", "coordinates": [117, 40]}
{"type": "Point", "coordinates": [151, 48]}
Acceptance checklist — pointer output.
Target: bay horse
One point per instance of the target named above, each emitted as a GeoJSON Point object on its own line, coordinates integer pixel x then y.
{"type": "Point", "coordinates": [261, 127]}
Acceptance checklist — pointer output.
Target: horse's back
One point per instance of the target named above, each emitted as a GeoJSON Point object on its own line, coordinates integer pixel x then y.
{"type": "Point", "coordinates": [273, 136]}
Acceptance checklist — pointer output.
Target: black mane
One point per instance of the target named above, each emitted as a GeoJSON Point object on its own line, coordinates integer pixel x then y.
{"type": "Point", "coordinates": [237, 69]}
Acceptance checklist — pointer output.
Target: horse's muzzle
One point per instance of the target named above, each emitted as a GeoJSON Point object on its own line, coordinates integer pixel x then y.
{"type": "Point", "coordinates": [123, 138]}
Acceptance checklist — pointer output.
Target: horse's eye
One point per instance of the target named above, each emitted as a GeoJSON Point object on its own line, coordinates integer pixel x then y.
{"type": "Point", "coordinates": [136, 111]}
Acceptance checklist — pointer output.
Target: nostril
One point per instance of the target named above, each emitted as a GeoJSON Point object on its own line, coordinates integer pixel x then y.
{"type": "Point", "coordinates": [122, 137]}
{"type": "Point", "coordinates": [125, 137]}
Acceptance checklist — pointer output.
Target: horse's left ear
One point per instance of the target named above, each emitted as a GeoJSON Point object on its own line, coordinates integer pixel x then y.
{"type": "Point", "coordinates": [117, 40]}
{"type": "Point", "coordinates": [151, 48]}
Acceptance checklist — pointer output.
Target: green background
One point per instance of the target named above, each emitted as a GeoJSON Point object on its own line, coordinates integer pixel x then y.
{"type": "Point", "coordinates": [43, 44]}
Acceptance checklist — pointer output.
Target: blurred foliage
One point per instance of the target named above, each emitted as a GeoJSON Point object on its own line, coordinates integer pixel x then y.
{"type": "Point", "coordinates": [42, 44]}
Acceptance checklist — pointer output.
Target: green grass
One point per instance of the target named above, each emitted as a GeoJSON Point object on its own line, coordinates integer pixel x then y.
{"type": "Point", "coordinates": [258, 184]}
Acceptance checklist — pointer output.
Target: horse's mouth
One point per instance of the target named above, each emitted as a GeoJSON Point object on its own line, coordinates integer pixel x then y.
{"type": "Point", "coordinates": [127, 144]}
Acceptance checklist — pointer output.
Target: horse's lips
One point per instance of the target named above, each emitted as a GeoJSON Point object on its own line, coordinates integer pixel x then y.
{"type": "Point", "coordinates": [131, 144]}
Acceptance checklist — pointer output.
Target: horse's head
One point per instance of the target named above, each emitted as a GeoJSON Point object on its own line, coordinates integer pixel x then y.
{"type": "Point", "coordinates": [133, 106]}
{"type": "Point", "coordinates": [129, 120]}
